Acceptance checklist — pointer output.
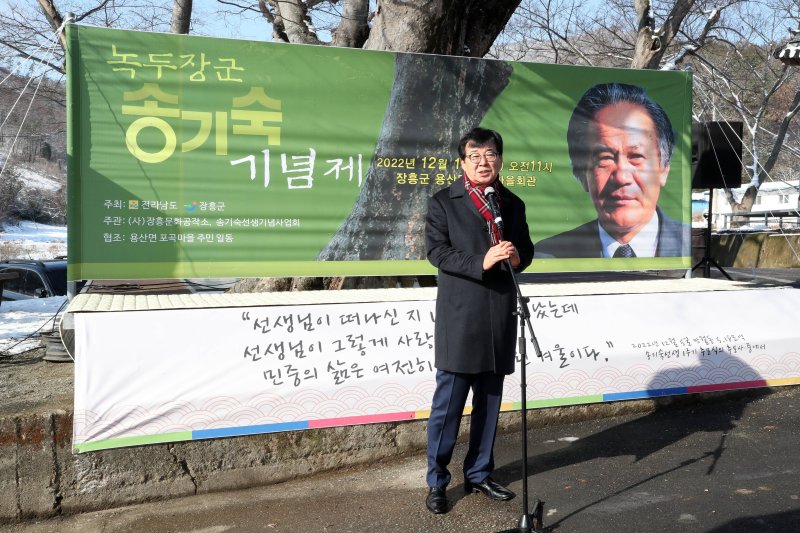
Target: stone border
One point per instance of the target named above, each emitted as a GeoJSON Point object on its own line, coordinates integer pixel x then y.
{"type": "Point", "coordinates": [44, 478]}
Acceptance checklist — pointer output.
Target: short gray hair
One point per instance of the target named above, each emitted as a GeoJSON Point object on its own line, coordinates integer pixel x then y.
{"type": "Point", "coordinates": [605, 94]}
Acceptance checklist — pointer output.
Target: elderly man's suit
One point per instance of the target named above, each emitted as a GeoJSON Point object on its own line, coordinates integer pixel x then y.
{"type": "Point", "coordinates": [584, 241]}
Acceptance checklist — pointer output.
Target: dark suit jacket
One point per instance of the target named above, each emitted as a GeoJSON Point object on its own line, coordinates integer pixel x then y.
{"type": "Point", "coordinates": [584, 241]}
{"type": "Point", "coordinates": [475, 329]}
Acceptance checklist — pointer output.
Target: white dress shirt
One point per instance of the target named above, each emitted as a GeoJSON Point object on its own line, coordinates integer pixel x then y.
{"type": "Point", "coordinates": [644, 243]}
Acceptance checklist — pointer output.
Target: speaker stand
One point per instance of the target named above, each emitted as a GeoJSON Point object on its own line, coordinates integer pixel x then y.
{"type": "Point", "coordinates": [707, 261]}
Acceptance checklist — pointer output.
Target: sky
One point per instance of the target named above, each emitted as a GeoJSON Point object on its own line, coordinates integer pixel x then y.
{"type": "Point", "coordinates": [247, 26]}
{"type": "Point", "coordinates": [206, 19]}
{"type": "Point", "coordinates": [251, 25]}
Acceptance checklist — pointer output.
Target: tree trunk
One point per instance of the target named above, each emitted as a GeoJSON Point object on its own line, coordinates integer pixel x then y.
{"type": "Point", "coordinates": [745, 205]}
{"type": "Point", "coordinates": [783, 129]}
{"type": "Point", "coordinates": [353, 29]}
{"type": "Point", "coordinates": [651, 45]}
{"type": "Point", "coordinates": [54, 18]}
{"type": "Point", "coordinates": [758, 171]}
{"type": "Point", "coordinates": [290, 21]}
{"type": "Point", "coordinates": [460, 28]}
{"type": "Point", "coordinates": [645, 34]}
{"type": "Point", "coordinates": [181, 16]}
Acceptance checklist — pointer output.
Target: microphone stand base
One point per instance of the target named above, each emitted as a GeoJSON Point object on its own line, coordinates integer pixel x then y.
{"type": "Point", "coordinates": [530, 523]}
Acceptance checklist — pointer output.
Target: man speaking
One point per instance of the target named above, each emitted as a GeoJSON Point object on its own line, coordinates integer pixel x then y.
{"type": "Point", "coordinates": [475, 327]}
{"type": "Point", "coordinates": [620, 142]}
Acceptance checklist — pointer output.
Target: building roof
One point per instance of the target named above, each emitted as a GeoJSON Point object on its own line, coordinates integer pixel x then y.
{"type": "Point", "coordinates": [770, 187]}
{"type": "Point", "coordinates": [789, 53]}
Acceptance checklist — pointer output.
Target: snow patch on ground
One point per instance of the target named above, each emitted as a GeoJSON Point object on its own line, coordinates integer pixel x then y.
{"type": "Point", "coordinates": [30, 240]}
{"type": "Point", "coordinates": [23, 318]}
{"type": "Point", "coordinates": [33, 232]}
{"type": "Point", "coordinates": [35, 180]}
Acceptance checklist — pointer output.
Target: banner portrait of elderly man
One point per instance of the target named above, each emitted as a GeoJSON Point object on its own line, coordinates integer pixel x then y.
{"type": "Point", "coordinates": [620, 143]}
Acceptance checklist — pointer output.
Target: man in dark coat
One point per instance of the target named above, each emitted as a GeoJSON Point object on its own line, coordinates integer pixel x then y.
{"type": "Point", "coordinates": [475, 327]}
{"type": "Point", "coordinates": [620, 142]}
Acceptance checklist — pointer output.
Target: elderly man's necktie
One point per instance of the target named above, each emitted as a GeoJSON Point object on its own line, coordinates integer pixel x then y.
{"type": "Point", "coordinates": [624, 251]}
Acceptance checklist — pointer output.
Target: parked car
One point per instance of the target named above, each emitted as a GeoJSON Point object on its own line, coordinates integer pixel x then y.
{"type": "Point", "coordinates": [35, 279]}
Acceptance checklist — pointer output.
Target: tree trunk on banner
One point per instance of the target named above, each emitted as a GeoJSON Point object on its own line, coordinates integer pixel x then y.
{"type": "Point", "coordinates": [434, 100]}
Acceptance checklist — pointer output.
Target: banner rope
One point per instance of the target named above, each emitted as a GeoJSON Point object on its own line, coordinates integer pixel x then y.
{"type": "Point", "coordinates": [51, 41]}
{"type": "Point", "coordinates": [28, 110]}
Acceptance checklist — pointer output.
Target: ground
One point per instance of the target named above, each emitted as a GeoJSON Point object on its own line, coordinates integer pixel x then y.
{"type": "Point", "coordinates": [31, 384]}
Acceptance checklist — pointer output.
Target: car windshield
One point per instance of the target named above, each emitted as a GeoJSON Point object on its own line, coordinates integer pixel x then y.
{"type": "Point", "coordinates": [58, 278]}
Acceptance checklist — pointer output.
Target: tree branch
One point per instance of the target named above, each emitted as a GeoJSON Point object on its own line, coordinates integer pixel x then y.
{"type": "Point", "coordinates": [651, 45]}
{"type": "Point", "coordinates": [772, 158]}
{"type": "Point", "coordinates": [263, 8]}
{"type": "Point", "coordinates": [688, 49]}
{"type": "Point", "coordinates": [102, 5]}
{"type": "Point", "coordinates": [22, 54]}
{"type": "Point", "coordinates": [240, 7]}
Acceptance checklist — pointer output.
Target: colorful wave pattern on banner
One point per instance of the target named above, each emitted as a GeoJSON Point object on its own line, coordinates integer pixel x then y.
{"type": "Point", "coordinates": [234, 431]}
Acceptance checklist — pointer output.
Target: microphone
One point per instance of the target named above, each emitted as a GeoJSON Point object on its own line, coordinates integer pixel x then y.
{"type": "Point", "coordinates": [494, 206]}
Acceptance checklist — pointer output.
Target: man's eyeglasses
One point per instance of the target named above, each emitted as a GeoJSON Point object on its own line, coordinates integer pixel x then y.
{"type": "Point", "coordinates": [491, 157]}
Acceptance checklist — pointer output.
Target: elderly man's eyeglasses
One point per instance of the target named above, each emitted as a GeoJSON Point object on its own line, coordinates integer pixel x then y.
{"type": "Point", "coordinates": [491, 157]}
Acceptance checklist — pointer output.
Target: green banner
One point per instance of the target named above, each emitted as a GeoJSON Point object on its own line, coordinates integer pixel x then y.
{"type": "Point", "coordinates": [202, 157]}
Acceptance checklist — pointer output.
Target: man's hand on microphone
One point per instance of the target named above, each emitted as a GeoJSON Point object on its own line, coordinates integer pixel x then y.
{"type": "Point", "coordinates": [500, 252]}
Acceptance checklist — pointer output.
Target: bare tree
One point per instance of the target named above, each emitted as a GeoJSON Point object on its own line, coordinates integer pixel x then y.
{"type": "Point", "coordinates": [738, 79]}
{"type": "Point", "coordinates": [10, 188]}
{"type": "Point", "coordinates": [550, 31]}
{"type": "Point", "coordinates": [625, 33]}
{"type": "Point", "coordinates": [29, 31]}
{"type": "Point", "coordinates": [729, 45]}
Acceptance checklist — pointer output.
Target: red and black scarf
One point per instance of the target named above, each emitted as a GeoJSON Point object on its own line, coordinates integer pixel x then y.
{"type": "Point", "coordinates": [479, 199]}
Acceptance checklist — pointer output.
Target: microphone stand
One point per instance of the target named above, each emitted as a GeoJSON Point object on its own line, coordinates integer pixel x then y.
{"type": "Point", "coordinates": [526, 521]}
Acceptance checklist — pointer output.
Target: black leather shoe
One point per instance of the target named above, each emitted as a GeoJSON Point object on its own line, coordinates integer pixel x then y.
{"type": "Point", "coordinates": [436, 502]}
{"type": "Point", "coordinates": [490, 488]}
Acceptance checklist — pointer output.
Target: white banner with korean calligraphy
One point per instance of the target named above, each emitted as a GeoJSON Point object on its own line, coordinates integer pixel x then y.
{"type": "Point", "coordinates": [182, 374]}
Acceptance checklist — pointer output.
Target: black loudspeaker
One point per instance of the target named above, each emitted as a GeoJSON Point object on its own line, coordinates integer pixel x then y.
{"type": "Point", "coordinates": [716, 155]}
